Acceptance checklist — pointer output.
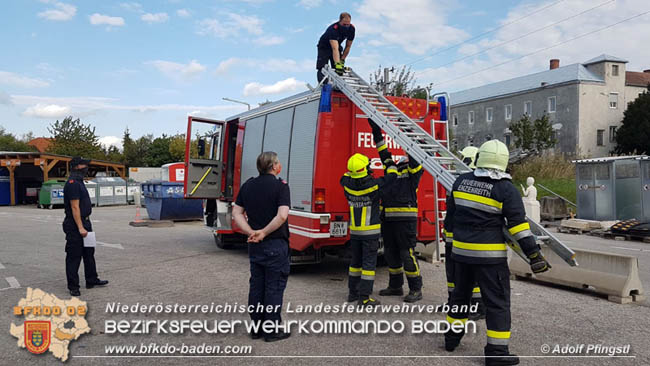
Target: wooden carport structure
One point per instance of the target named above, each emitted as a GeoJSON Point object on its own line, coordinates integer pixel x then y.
{"type": "Point", "coordinates": [51, 163]}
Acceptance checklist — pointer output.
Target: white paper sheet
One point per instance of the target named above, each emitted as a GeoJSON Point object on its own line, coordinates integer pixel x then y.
{"type": "Point", "coordinates": [90, 240]}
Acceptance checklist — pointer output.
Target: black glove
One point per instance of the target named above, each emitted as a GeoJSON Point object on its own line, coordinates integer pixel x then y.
{"type": "Point", "coordinates": [376, 131]}
{"type": "Point", "coordinates": [538, 263]}
{"type": "Point", "coordinates": [338, 67]}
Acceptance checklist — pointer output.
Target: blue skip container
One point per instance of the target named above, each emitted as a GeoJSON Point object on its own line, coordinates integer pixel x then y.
{"type": "Point", "coordinates": [164, 201]}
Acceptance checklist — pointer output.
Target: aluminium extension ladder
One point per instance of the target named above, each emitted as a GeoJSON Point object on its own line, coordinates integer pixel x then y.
{"type": "Point", "coordinates": [435, 158]}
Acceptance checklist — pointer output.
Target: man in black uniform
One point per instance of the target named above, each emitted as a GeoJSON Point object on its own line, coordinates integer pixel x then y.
{"type": "Point", "coordinates": [330, 46]}
{"type": "Point", "coordinates": [266, 200]}
{"type": "Point", "coordinates": [362, 192]}
{"type": "Point", "coordinates": [480, 204]}
{"type": "Point", "coordinates": [76, 226]}
{"type": "Point", "coordinates": [399, 230]}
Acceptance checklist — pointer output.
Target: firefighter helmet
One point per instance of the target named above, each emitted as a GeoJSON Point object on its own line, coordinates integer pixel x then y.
{"type": "Point", "coordinates": [357, 165]}
{"type": "Point", "coordinates": [493, 154]}
{"type": "Point", "coordinates": [469, 156]}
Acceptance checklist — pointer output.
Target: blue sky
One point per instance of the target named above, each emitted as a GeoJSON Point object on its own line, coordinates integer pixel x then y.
{"type": "Point", "coordinates": [148, 64]}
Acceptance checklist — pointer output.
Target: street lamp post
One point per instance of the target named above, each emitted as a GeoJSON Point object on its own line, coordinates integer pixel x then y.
{"type": "Point", "coordinates": [238, 101]}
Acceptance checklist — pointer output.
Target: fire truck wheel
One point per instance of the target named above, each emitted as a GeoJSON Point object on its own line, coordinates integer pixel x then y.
{"type": "Point", "coordinates": [222, 242]}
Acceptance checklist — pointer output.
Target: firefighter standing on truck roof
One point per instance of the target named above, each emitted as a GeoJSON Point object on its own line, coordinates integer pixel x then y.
{"type": "Point", "coordinates": [399, 230]}
{"type": "Point", "coordinates": [362, 192]}
{"type": "Point", "coordinates": [480, 204]}
{"type": "Point", "coordinates": [330, 46]}
{"type": "Point", "coordinates": [469, 158]}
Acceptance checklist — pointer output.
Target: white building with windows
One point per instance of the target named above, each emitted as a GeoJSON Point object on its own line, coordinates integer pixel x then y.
{"type": "Point", "coordinates": [585, 104]}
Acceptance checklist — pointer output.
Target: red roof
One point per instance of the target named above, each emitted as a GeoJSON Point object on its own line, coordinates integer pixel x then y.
{"type": "Point", "coordinates": [40, 143]}
{"type": "Point", "coordinates": [637, 78]}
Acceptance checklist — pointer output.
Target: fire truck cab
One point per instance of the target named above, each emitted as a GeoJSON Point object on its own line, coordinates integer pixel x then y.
{"type": "Point", "coordinates": [314, 133]}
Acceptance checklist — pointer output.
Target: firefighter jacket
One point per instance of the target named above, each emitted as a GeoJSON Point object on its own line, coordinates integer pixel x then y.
{"type": "Point", "coordinates": [363, 197]}
{"type": "Point", "coordinates": [400, 200]}
{"type": "Point", "coordinates": [477, 211]}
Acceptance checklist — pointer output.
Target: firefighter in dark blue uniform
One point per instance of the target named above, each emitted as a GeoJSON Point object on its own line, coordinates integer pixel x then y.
{"type": "Point", "coordinates": [265, 200]}
{"type": "Point", "coordinates": [480, 204]}
{"type": "Point", "coordinates": [469, 158]}
{"type": "Point", "coordinates": [399, 230]}
{"type": "Point", "coordinates": [362, 192]}
{"type": "Point", "coordinates": [76, 226]}
{"type": "Point", "coordinates": [330, 47]}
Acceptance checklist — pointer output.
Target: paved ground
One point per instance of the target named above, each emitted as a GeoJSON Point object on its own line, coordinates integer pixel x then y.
{"type": "Point", "coordinates": [181, 264]}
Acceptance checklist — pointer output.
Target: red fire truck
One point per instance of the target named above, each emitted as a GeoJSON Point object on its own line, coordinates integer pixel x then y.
{"type": "Point", "coordinates": [314, 133]}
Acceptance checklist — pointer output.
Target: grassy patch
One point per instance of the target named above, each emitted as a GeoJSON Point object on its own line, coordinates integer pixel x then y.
{"type": "Point", "coordinates": [553, 172]}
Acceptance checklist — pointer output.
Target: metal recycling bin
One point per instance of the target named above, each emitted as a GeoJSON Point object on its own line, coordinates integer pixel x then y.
{"type": "Point", "coordinates": [609, 188]}
{"type": "Point", "coordinates": [645, 186]}
{"type": "Point", "coordinates": [51, 194]}
{"type": "Point", "coordinates": [91, 187]}
{"type": "Point", "coordinates": [132, 189]}
{"type": "Point", "coordinates": [110, 191]}
{"type": "Point", "coordinates": [164, 201]}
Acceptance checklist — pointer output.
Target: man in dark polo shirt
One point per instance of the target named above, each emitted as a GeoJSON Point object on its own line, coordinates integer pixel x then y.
{"type": "Point", "coordinates": [76, 226]}
{"type": "Point", "coordinates": [330, 46]}
{"type": "Point", "coordinates": [265, 199]}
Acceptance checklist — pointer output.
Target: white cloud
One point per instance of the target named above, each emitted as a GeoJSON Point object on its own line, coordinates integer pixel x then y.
{"type": "Point", "coordinates": [269, 40]}
{"type": "Point", "coordinates": [132, 6]}
{"type": "Point", "coordinates": [271, 64]}
{"type": "Point", "coordinates": [282, 86]}
{"type": "Point", "coordinates": [108, 141]}
{"type": "Point", "coordinates": [155, 18]}
{"type": "Point", "coordinates": [10, 78]}
{"type": "Point", "coordinates": [47, 111]}
{"type": "Point", "coordinates": [233, 25]}
{"type": "Point", "coordinates": [99, 19]}
{"type": "Point", "coordinates": [416, 26]}
{"type": "Point", "coordinates": [5, 99]}
{"type": "Point", "coordinates": [309, 4]}
{"type": "Point", "coordinates": [61, 12]}
{"type": "Point", "coordinates": [183, 13]}
{"type": "Point", "coordinates": [622, 41]}
{"type": "Point", "coordinates": [178, 71]}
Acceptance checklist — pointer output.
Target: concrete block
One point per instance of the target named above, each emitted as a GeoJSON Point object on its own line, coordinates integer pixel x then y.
{"type": "Point", "coordinates": [614, 275]}
{"type": "Point", "coordinates": [553, 208]}
{"type": "Point", "coordinates": [619, 238]}
{"type": "Point", "coordinates": [580, 224]}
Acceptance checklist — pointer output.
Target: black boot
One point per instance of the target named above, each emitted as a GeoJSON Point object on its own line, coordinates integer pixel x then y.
{"type": "Point", "coordinates": [480, 312]}
{"type": "Point", "coordinates": [413, 296]}
{"type": "Point", "coordinates": [353, 297]}
{"type": "Point", "coordinates": [451, 343]}
{"type": "Point", "coordinates": [366, 301]}
{"type": "Point", "coordinates": [390, 291]}
{"type": "Point", "coordinates": [97, 282]}
{"type": "Point", "coordinates": [503, 360]}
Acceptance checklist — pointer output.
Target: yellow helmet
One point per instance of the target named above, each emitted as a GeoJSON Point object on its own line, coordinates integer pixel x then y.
{"type": "Point", "coordinates": [469, 156]}
{"type": "Point", "coordinates": [357, 165]}
{"type": "Point", "coordinates": [493, 154]}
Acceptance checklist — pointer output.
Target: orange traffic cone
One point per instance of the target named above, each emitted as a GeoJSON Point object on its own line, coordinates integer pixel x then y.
{"type": "Point", "coordinates": [137, 214]}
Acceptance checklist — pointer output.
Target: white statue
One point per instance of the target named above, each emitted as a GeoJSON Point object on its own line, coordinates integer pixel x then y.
{"type": "Point", "coordinates": [530, 192]}
{"type": "Point", "coordinates": [530, 200]}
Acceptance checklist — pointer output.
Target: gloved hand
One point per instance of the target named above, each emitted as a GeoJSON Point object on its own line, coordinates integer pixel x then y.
{"type": "Point", "coordinates": [376, 131]}
{"type": "Point", "coordinates": [338, 67]}
{"type": "Point", "coordinates": [538, 263]}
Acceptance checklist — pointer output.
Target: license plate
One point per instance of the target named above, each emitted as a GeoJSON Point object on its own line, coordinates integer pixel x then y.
{"type": "Point", "coordinates": [339, 228]}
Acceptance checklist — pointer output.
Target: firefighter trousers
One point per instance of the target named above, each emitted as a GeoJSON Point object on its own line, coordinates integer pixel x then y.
{"type": "Point", "coordinates": [362, 266]}
{"type": "Point", "coordinates": [400, 238]}
{"type": "Point", "coordinates": [449, 269]}
{"type": "Point", "coordinates": [494, 280]}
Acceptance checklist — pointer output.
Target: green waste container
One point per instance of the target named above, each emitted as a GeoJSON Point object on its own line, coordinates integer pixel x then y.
{"type": "Point", "coordinates": [51, 194]}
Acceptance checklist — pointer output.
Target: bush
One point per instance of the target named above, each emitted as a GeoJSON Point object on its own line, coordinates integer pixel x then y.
{"type": "Point", "coordinates": [552, 171]}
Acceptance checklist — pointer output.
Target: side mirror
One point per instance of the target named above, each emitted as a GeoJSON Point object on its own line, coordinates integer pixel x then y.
{"type": "Point", "coordinates": [201, 146]}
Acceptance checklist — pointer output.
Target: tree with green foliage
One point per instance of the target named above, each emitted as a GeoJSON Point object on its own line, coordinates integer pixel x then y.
{"type": "Point", "coordinates": [533, 135]}
{"type": "Point", "coordinates": [135, 151]}
{"type": "Point", "coordinates": [158, 153]}
{"type": "Point", "coordinates": [177, 147]}
{"type": "Point", "coordinates": [9, 142]}
{"type": "Point", "coordinates": [633, 137]}
{"type": "Point", "coordinates": [401, 83]}
{"type": "Point", "coordinates": [72, 137]}
{"type": "Point", "coordinates": [113, 154]}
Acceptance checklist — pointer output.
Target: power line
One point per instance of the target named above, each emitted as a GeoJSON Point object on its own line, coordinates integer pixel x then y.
{"type": "Point", "coordinates": [544, 49]}
{"type": "Point", "coordinates": [484, 34]}
{"type": "Point", "coordinates": [518, 38]}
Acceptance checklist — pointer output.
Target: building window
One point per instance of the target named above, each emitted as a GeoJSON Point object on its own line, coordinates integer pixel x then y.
{"type": "Point", "coordinates": [599, 137]}
{"type": "Point", "coordinates": [470, 141]}
{"type": "Point", "coordinates": [552, 104]}
{"type": "Point", "coordinates": [454, 119]}
{"type": "Point", "coordinates": [614, 70]}
{"type": "Point", "coordinates": [454, 145]}
{"type": "Point", "coordinates": [470, 117]}
{"type": "Point", "coordinates": [612, 134]}
{"type": "Point", "coordinates": [488, 114]}
{"type": "Point", "coordinates": [528, 108]}
{"type": "Point", "coordinates": [508, 112]}
{"type": "Point", "coordinates": [507, 138]}
{"type": "Point", "coordinates": [488, 137]}
{"type": "Point", "coordinates": [613, 100]}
